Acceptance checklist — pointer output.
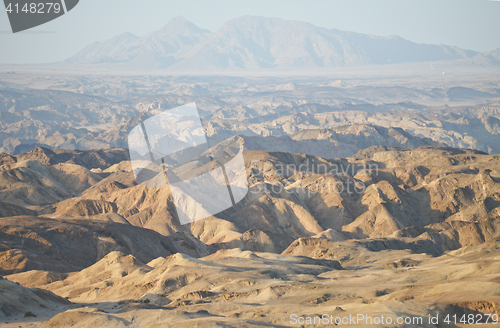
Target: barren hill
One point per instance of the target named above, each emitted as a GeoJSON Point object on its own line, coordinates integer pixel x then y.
{"type": "Point", "coordinates": [16, 299]}
{"type": "Point", "coordinates": [444, 195]}
{"type": "Point", "coordinates": [413, 226]}
{"type": "Point", "coordinates": [253, 289]}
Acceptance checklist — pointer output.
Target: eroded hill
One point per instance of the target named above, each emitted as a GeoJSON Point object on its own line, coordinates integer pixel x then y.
{"type": "Point", "coordinates": [412, 226]}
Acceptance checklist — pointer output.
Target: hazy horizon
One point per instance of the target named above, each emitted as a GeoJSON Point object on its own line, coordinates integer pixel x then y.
{"type": "Point", "coordinates": [470, 25]}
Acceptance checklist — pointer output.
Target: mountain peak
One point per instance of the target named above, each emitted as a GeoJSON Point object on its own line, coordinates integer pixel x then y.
{"type": "Point", "coordinates": [178, 20]}
{"type": "Point", "coordinates": [127, 35]}
{"type": "Point", "coordinates": [180, 25]}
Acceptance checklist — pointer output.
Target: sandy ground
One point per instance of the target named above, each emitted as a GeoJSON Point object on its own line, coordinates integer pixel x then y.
{"type": "Point", "coordinates": [234, 288]}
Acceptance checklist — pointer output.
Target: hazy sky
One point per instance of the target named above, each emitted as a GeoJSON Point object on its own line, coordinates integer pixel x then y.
{"type": "Point", "coordinates": [469, 24]}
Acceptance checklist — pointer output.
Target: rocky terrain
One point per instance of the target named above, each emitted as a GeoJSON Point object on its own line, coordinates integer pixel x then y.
{"type": "Point", "coordinates": [375, 196]}
{"type": "Point", "coordinates": [98, 112]}
{"type": "Point", "coordinates": [415, 235]}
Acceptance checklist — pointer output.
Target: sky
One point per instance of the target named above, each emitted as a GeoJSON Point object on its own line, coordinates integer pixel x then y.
{"type": "Point", "coordinates": [468, 24]}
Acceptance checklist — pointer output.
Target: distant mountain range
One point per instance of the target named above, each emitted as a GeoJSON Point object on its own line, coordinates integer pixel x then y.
{"type": "Point", "coordinates": [252, 42]}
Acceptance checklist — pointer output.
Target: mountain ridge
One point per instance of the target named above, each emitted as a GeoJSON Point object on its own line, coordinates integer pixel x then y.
{"type": "Point", "coordinates": [254, 42]}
